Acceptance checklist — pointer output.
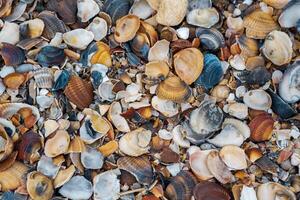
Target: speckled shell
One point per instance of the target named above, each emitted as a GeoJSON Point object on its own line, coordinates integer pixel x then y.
{"type": "Point", "coordinates": [11, 54]}
{"type": "Point", "coordinates": [139, 167]}
{"type": "Point", "coordinates": [50, 55]}
{"type": "Point", "coordinates": [173, 89]}
{"type": "Point", "coordinates": [259, 24]}
{"type": "Point", "coordinates": [211, 39]}
{"type": "Point", "coordinates": [52, 24]}
{"type": "Point", "coordinates": [209, 191]}
{"type": "Point", "coordinates": [261, 127]}
{"type": "Point", "coordinates": [117, 8]}
{"type": "Point", "coordinates": [181, 186]}
{"type": "Point", "coordinates": [79, 92]}
{"type": "Point", "coordinates": [126, 28]}
{"type": "Point", "coordinates": [43, 77]}
{"type": "Point", "coordinates": [249, 47]}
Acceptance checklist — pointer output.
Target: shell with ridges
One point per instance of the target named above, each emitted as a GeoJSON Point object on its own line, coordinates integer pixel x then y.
{"type": "Point", "coordinates": [50, 55]}
{"type": "Point", "coordinates": [261, 127]}
{"type": "Point", "coordinates": [9, 109]}
{"type": "Point", "coordinates": [249, 47]}
{"type": "Point", "coordinates": [52, 24]}
{"type": "Point", "coordinates": [211, 39]}
{"type": "Point", "coordinates": [117, 8]}
{"type": "Point", "coordinates": [65, 9]}
{"type": "Point", "coordinates": [11, 54]}
{"type": "Point", "coordinates": [278, 4]}
{"type": "Point", "coordinates": [43, 77]}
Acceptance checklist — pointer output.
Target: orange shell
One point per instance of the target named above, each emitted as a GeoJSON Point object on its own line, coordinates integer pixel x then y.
{"type": "Point", "coordinates": [261, 127]}
{"type": "Point", "coordinates": [14, 80]}
{"type": "Point", "coordinates": [102, 56]}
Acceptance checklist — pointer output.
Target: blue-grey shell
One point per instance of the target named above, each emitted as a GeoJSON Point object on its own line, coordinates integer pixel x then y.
{"type": "Point", "coordinates": [51, 55]}
{"type": "Point", "coordinates": [92, 48]}
{"type": "Point", "coordinates": [62, 80]}
{"type": "Point", "coordinates": [212, 72]}
{"type": "Point", "coordinates": [199, 4]}
{"type": "Point", "coordinates": [211, 39]}
{"type": "Point", "coordinates": [140, 50]}
{"type": "Point", "coordinates": [259, 75]}
{"type": "Point", "coordinates": [117, 8]}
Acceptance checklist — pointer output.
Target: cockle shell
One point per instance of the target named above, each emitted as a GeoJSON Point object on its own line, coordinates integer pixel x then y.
{"type": "Point", "coordinates": [188, 64]}
{"type": "Point", "coordinates": [43, 78]}
{"type": "Point", "coordinates": [87, 9]}
{"type": "Point", "coordinates": [278, 48]}
{"type": "Point", "coordinates": [11, 54]}
{"type": "Point", "coordinates": [14, 80]}
{"type": "Point", "coordinates": [198, 165]}
{"type": "Point", "coordinates": [78, 38]}
{"type": "Point", "coordinates": [11, 178]}
{"type": "Point", "coordinates": [39, 186]}
{"type": "Point", "coordinates": [65, 9]}
{"type": "Point", "coordinates": [205, 18]}
{"type": "Point", "coordinates": [166, 107]}
{"type": "Point", "coordinates": [261, 127]}
{"type": "Point", "coordinates": [272, 190]}
{"type": "Point", "coordinates": [10, 33]}
{"type": "Point", "coordinates": [211, 39]}
{"type": "Point", "coordinates": [106, 186]}
{"type": "Point", "coordinates": [77, 188]}
{"type": "Point", "coordinates": [58, 144]}
{"type": "Point", "coordinates": [278, 4]}
{"type": "Point", "coordinates": [290, 16]}
{"type": "Point", "coordinates": [258, 99]}
{"type": "Point", "coordinates": [34, 28]}
{"type": "Point", "coordinates": [141, 8]}
{"type": "Point", "coordinates": [99, 28]}
{"type": "Point", "coordinates": [210, 190]}
{"type": "Point", "coordinates": [234, 157]}
{"type": "Point", "coordinates": [126, 28]}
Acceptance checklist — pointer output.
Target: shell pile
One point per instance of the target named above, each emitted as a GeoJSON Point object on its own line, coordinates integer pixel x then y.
{"type": "Point", "coordinates": [150, 99]}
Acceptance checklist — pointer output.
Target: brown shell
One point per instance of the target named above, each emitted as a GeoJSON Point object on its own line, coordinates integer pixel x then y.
{"type": "Point", "coordinates": [149, 31]}
{"type": "Point", "coordinates": [254, 154]}
{"type": "Point", "coordinates": [14, 80]}
{"type": "Point", "coordinates": [66, 10]}
{"type": "Point", "coordinates": [9, 161]}
{"type": "Point", "coordinates": [188, 64]}
{"type": "Point", "coordinates": [259, 23]}
{"type": "Point", "coordinates": [139, 167]}
{"type": "Point", "coordinates": [249, 47]}
{"type": "Point", "coordinates": [181, 186]}
{"type": "Point", "coordinates": [9, 145]}
{"type": "Point", "coordinates": [126, 28]}
{"type": "Point", "coordinates": [58, 144]}
{"type": "Point", "coordinates": [79, 92]}
{"type": "Point", "coordinates": [157, 70]}
{"type": "Point", "coordinates": [11, 54]}
{"type": "Point", "coordinates": [210, 191]}
{"type": "Point", "coordinates": [29, 146]}
{"type": "Point", "coordinates": [76, 145]}
{"type": "Point", "coordinates": [39, 186]}
{"type": "Point", "coordinates": [173, 89]}
{"type": "Point", "coordinates": [261, 127]}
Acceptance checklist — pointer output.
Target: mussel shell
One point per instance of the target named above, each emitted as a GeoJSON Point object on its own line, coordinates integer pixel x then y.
{"type": "Point", "coordinates": [212, 72]}
{"type": "Point", "coordinates": [62, 80]}
{"type": "Point", "coordinates": [50, 55]}
{"type": "Point", "coordinates": [12, 55]}
{"type": "Point", "coordinates": [210, 191]}
{"type": "Point", "coordinates": [117, 8]}
{"type": "Point", "coordinates": [65, 9]}
{"type": "Point", "coordinates": [290, 15]}
{"type": "Point", "coordinates": [139, 167]}
{"type": "Point", "coordinates": [29, 146]}
{"type": "Point", "coordinates": [181, 186]}
{"type": "Point", "coordinates": [211, 39]}
{"type": "Point", "coordinates": [53, 24]}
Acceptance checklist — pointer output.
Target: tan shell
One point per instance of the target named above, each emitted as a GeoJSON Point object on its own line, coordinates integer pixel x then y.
{"type": "Point", "coordinates": [126, 28]}
{"type": "Point", "coordinates": [198, 165]}
{"type": "Point", "coordinates": [272, 190]}
{"type": "Point", "coordinates": [171, 13]}
{"type": "Point", "coordinates": [58, 144]}
{"type": "Point", "coordinates": [157, 70]}
{"type": "Point", "coordinates": [259, 24]}
{"type": "Point", "coordinates": [14, 80]}
{"type": "Point", "coordinates": [39, 186]}
{"type": "Point", "coordinates": [248, 46]}
{"type": "Point", "coordinates": [188, 64]}
{"type": "Point", "coordinates": [7, 148]}
{"type": "Point", "coordinates": [160, 51]}
{"type": "Point", "coordinates": [114, 115]}
{"type": "Point", "coordinates": [278, 4]}
{"type": "Point", "coordinates": [35, 27]}
{"type": "Point", "coordinates": [234, 157]}
{"type": "Point", "coordinates": [220, 92]}
{"type": "Point", "coordinates": [76, 145]}
{"type": "Point", "coordinates": [63, 176]}
{"type": "Point", "coordinates": [109, 148]}
{"type": "Point", "coordinates": [205, 18]}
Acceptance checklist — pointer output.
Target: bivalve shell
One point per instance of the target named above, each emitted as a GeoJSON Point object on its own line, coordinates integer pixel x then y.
{"type": "Point", "coordinates": [205, 18]}
{"type": "Point", "coordinates": [50, 55]}
{"type": "Point", "coordinates": [211, 39]}
{"type": "Point", "coordinates": [272, 190]}
{"type": "Point", "coordinates": [63, 176]}
{"type": "Point", "coordinates": [14, 80]}
{"type": "Point", "coordinates": [91, 158]}
{"type": "Point", "coordinates": [157, 70]}
{"type": "Point", "coordinates": [78, 38]}
{"type": "Point", "coordinates": [29, 146]}
{"type": "Point", "coordinates": [11, 178]}
{"type": "Point", "coordinates": [258, 100]}
{"type": "Point", "coordinates": [52, 23]}
{"type": "Point", "coordinates": [87, 9]}
{"type": "Point", "coordinates": [234, 157]}
{"type": "Point", "coordinates": [278, 4]}
{"type": "Point", "coordinates": [10, 33]}
{"type": "Point", "coordinates": [43, 78]}
{"type": "Point", "coordinates": [209, 190]}
{"type": "Point", "coordinates": [39, 186]}
{"type": "Point", "coordinates": [166, 107]}
{"type": "Point", "coordinates": [11, 54]}
{"type": "Point", "coordinates": [290, 16]}
{"type": "Point", "coordinates": [106, 186]}
{"type": "Point", "coordinates": [58, 144]}
{"type": "Point", "coordinates": [249, 47]}
{"type": "Point", "coordinates": [261, 127]}
{"type": "Point", "coordinates": [33, 28]}
{"type": "Point", "coordinates": [117, 8]}
{"type": "Point", "coordinates": [198, 165]}
{"type": "Point", "coordinates": [99, 28]}
{"type": "Point", "coordinates": [77, 188]}
{"type": "Point", "coordinates": [65, 9]}
{"type": "Point", "coordinates": [126, 28]}
{"type": "Point", "coordinates": [141, 8]}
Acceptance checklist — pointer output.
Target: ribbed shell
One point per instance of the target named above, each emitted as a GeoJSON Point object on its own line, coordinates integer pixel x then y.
{"type": "Point", "coordinates": [11, 54]}
{"type": "Point", "coordinates": [249, 47]}
{"type": "Point", "coordinates": [261, 128]}
{"type": "Point", "coordinates": [117, 8]}
{"type": "Point", "coordinates": [211, 39]}
{"type": "Point", "coordinates": [209, 191]}
{"type": "Point", "coordinates": [79, 92]}
{"type": "Point", "coordinates": [66, 9]}
{"type": "Point", "coordinates": [139, 167]}
{"type": "Point", "coordinates": [43, 78]}
{"type": "Point", "coordinates": [11, 178]}
{"type": "Point", "coordinates": [52, 24]}
{"type": "Point", "coordinates": [9, 109]}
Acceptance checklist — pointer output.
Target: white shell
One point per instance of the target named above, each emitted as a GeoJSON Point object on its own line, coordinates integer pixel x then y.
{"type": "Point", "coordinates": [183, 33]}
{"type": "Point", "coordinates": [87, 9]}
{"type": "Point", "coordinates": [77, 188]}
{"type": "Point", "coordinates": [141, 8]}
{"type": "Point", "coordinates": [234, 157]}
{"type": "Point", "coordinates": [2, 87]}
{"type": "Point", "coordinates": [179, 137]}
{"type": "Point", "coordinates": [78, 38]}
{"type": "Point", "coordinates": [165, 134]}
{"type": "Point", "coordinates": [290, 16]}
{"type": "Point", "coordinates": [91, 158]}
{"type": "Point", "coordinates": [10, 33]}
{"type": "Point", "coordinates": [167, 108]}
{"type": "Point", "coordinates": [46, 167]}
{"type": "Point", "coordinates": [272, 191]}
{"type": "Point", "coordinates": [277, 76]}
{"type": "Point", "coordinates": [235, 23]}
{"type": "Point", "coordinates": [258, 99]}
{"type": "Point", "coordinates": [238, 110]}
{"type": "Point", "coordinates": [35, 27]}
{"type": "Point", "coordinates": [50, 127]}
{"type": "Point", "coordinates": [159, 51]}
{"type": "Point", "coordinates": [248, 193]}
{"type": "Point", "coordinates": [237, 62]}
{"type": "Point", "coordinates": [118, 121]}
{"type": "Point", "coordinates": [106, 186]}
{"type": "Point", "coordinates": [198, 164]}
{"type": "Point", "coordinates": [98, 27]}
{"type": "Point", "coordinates": [205, 18]}
{"type": "Point", "coordinates": [105, 91]}
{"type": "Point", "coordinates": [6, 70]}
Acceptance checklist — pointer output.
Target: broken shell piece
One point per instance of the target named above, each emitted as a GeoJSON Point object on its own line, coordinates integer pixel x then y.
{"type": "Point", "coordinates": [237, 62]}
{"type": "Point", "coordinates": [43, 78]}
{"type": "Point", "coordinates": [47, 167]}
{"type": "Point", "coordinates": [34, 28]}
{"type": "Point", "coordinates": [238, 110]}
{"type": "Point", "coordinates": [165, 134]}
{"type": "Point", "coordinates": [91, 159]}
{"type": "Point", "coordinates": [50, 127]}
{"type": "Point", "coordinates": [272, 190]}
{"type": "Point", "coordinates": [234, 157]}
{"type": "Point", "coordinates": [254, 154]}
{"type": "Point", "coordinates": [278, 4]}
{"type": "Point", "coordinates": [109, 148]}
{"type": "Point", "coordinates": [258, 100]}
{"type": "Point", "coordinates": [179, 136]}
{"type": "Point", "coordinates": [290, 15]}
{"type": "Point", "coordinates": [58, 144]}
{"type": "Point", "coordinates": [78, 38]}
{"type": "Point", "coordinates": [14, 80]}
{"type": "Point", "coordinates": [198, 165]}
{"type": "Point", "coordinates": [98, 27]}
{"type": "Point", "coordinates": [210, 190]}
{"type": "Point", "coordinates": [106, 186]}
{"type": "Point", "coordinates": [220, 92]}
{"type": "Point", "coordinates": [159, 51]}
{"type": "Point", "coordinates": [126, 28]}
{"type": "Point", "coordinates": [76, 145]}
{"type": "Point", "coordinates": [39, 186]}
{"type": "Point", "coordinates": [141, 8]}
{"type": "Point", "coordinates": [77, 188]}
{"type": "Point", "coordinates": [63, 176]}
{"type": "Point", "coordinates": [10, 33]}
{"type": "Point", "coordinates": [183, 33]}
{"type": "Point", "coordinates": [114, 115]}
{"type": "Point", "coordinates": [205, 18]}
{"type": "Point", "coordinates": [105, 91]}
{"type": "Point", "coordinates": [166, 107]}
{"type": "Point", "coordinates": [87, 9]}
{"type": "Point", "coordinates": [29, 146]}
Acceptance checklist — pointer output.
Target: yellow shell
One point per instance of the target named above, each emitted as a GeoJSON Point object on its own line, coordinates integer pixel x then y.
{"type": "Point", "coordinates": [76, 145]}
{"type": "Point", "coordinates": [63, 176]}
{"type": "Point", "coordinates": [173, 89]}
{"type": "Point", "coordinates": [102, 55]}
{"type": "Point", "coordinates": [109, 148]}
{"type": "Point", "coordinates": [259, 24]}
{"type": "Point", "coordinates": [188, 64]}
{"type": "Point", "coordinates": [278, 4]}
{"type": "Point", "coordinates": [126, 28]}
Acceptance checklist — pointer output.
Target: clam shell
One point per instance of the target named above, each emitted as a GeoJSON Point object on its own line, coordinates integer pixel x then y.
{"type": "Point", "coordinates": [166, 107]}
{"type": "Point", "coordinates": [259, 24]}
{"type": "Point", "coordinates": [188, 64]}
{"type": "Point", "coordinates": [76, 145]}
{"type": "Point", "coordinates": [87, 9]}
{"type": "Point", "coordinates": [65, 9]}
{"type": "Point", "coordinates": [11, 178]}
{"type": "Point", "coordinates": [52, 23]}
{"type": "Point", "coordinates": [78, 38]}
{"type": "Point", "coordinates": [77, 187]}
{"type": "Point", "coordinates": [106, 186]}
{"type": "Point", "coordinates": [171, 13]}
{"type": "Point", "coordinates": [7, 110]}
{"type": "Point", "coordinates": [14, 80]}
{"type": "Point", "coordinates": [278, 48]}
{"type": "Point", "coordinates": [157, 70]}
{"type": "Point", "coordinates": [181, 186]}
{"type": "Point", "coordinates": [6, 144]}
{"type": "Point", "coordinates": [63, 176]}
{"type": "Point", "coordinates": [32, 28]}
{"type": "Point", "coordinates": [257, 99]}
{"type": "Point", "coordinates": [209, 190]}
{"type": "Point", "coordinates": [99, 28]}
{"type": "Point", "coordinates": [150, 31]}
{"type": "Point", "coordinates": [261, 127]}
{"type": "Point", "coordinates": [278, 4]}
{"type": "Point", "coordinates": [160, 51]}
{"type": "Point", "coordinates": [272, 190]}
{"type": "Point", "coordinates": [117, 8]}
{"type": "Point", "coordinates": [114, 115]}
{"type": "Point", "coordinates": [140, 45]}
{"type": "Point", "coordinates": [249, 47]}
{"type": "Point", "coordinates": [43, 78]}
{"type": "Point", "coordinates": [211, 39]}
{"type": "Point", "coordinates": [234, 157]}
{"type": "Point", "coordinates": [29, 146]}
{"type": "Point", "coordinates": [102, 55]}
{"type": "Point", "coordinates": [91, 158]}
{"type": "Point", "coordinates": [179, 136]}
{"type": "Point", "coordinates": [198, 165]}
{"type": "Point", "coordinates": [109, 148]}
{"type": "Point", "coordinates": [47, 167]}
{"type": "Point", "coordinates": [126, 28]}
{"type": "Point", "coordinates": [50, 55]}
{"type": "Point", "coordinates": [205, 18]}
{"type": "Point", "coordinates": [173, 89]}
{"type": "Point", "coordinates": [39, 186]}
{"type": "Point", "coordinates": [10, 33]}
{"type": "Point", "coordinates": [58, 144]}
{"type": "Point", "coordinates": [290, 16]}
{"type": "Point", "coordinates": [220, 92]}
{"type": "Point", "coordinates": [11, 54]}
{"type": "Point", "coordinates": [139, 167]}
{"type": "Point", "coordinates": [79, 92]}
{"type": "Point", "coordinates": [141, 8]}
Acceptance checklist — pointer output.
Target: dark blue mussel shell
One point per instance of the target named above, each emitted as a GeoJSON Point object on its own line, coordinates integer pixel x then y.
{"type": "Point", "coordinates": [211, 39]}
{"type": "Point", "coordinates": [51, 55]}
{"type": "Point", "coordinates": [117, 8]}
{"type": "Point", "coordinates": [12, 54]}
{"type": "Point", "coordinates": [212, 72]}
{"type": "Point", "coordinates": [62, 80]}
{"type": "Point", "coordinates": [85, 54]}
{"type": "Point", "coordinates": [97, 78]}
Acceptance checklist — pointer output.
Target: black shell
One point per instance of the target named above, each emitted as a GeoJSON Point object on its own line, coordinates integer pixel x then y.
{"type": "Point", "coordinates": [259, 75]}
{"type": "Point", "coordinates": [117, 8]}
{"type": "Point", "coordinates": [50, 55]}
{"type": "Point", "coordinates": [12, 55]}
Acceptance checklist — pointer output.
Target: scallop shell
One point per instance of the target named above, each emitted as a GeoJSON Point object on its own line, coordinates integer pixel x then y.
{"type": "Point", "coordinates": [139, 167]}
{"type": "Point", "coordinates": [278, 4]}
{"type": "Point", "coordinates": [11, 178]}
{"type": "Point", "coordinates": [261, 127]}
{"type": "Point", "coordinates": [79, 92]}
{"type": "Point", "coordinates": [160, 51]}
{"type": "Point", "coordinates": [234, 157]}
{"type": "Point", "coordinates": [249, 47]}
{"type": "Point", "coordinates": [11, 54]}
{"type": "Point", "coordinates": [211, 39]}
{"type": "Point", "coordinates": [290, 15]}
{"type": "Point", "coordinates": [272, 190]}
{"type": "Point", "coordinates": [58, 144]}
{"type": "Point", "coordinates": [126, 28]}
{"type": "Point", "coordinates": [43, 78]}
{"type": "Point", "coordinates": [106, 186]}
{"type": "Point", "coordinates": [173, 89]}
{"type": "Point", "coordinates": [50, 55]}
{"type": "Point", "coordinates": [77, 188]}
{"type": "Point", "coordinates": [141, 8]}
{"type": "Point", "coordinates": [117, 8]}
{"type": "Point", "coordinates": [65, 9]}
{"type": "Point", "coordinates": [87, 9]}
{"type": "Point", "coordinates": [259, 24]}
{"type": "Point", "coordinates": [63, 176]}
{"type": "Point", "coordinates": [171, 13]}
{"type": "Point", "coordinates": [205, 18]}
{"type": "Point", "coordinates": [210, 190]}
{"type": "Point", "coordinates": [29, 146]}
{"type": "Point", "coordinates": [52, 23]}
{"type": "Point", "coordinates": [188, 64]}
{"type": "Point", "coordinates": [91, 158]}
{"type": "Point", "coordinates": [278, 48]}
{"type": "Point", "coordinates": [78, 38]}
{"type": "Point", "coordinates": [99, 28]}
{"type": "Point", "coordinates": [33, 28]}
{"type": "Point", "coordinates": [197, 161]}
{"type": "Point", "coordinates": [10, 33]}
{"type": "Point", "coordinates": [181, 186]}
{"type": "Point", "coordinates": [258, 99]}
{"type": "Point", "coordinates": [39, 186]}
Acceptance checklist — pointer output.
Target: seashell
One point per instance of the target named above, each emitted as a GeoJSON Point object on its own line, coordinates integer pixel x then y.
{"type": "Point", "coordinates": [261, 127]}
{"type": "Point", "coordinates": [140, 45]}
{"type": "Point", "coordinates": [249, 47]}
{"type": "Point", "coordinates": [10, 33]}
{"type": "Point", "coordinates": [157, 70]}
{"type": "Point", "coordinates": [29, 147]}
{"type": "Point", "coordinates": [234, 157]}
{"type": "Point", "coordinates": [32, 28]}
{"type": "Point", "coordinates": [212, 72]}
{"type": "Point", "coordinates": [211, 39]}
{"type": "Point", "coordinates": [58, 144]}
{"type": "Point", "coordinates": [102, 55]}
{"type": "Point", "coordinates": [181, 186]}
{"type": "Point", "coordinates": [197, 161]}
{"type": "Point", "coordinates": [117, 8]}
{"type": "Point", "coordinates": [50, 55]}
{"type": "Point", "coordinates": [47, 167]}
{"type": "Point", "coordinates": [259, 24]}
{"type": "Point", "coordinates": [220, 92]}
{"type": "Point", "coordinates": [43, 78]}
{"type": "Point", "coordinates": [98, 74]}
{"type": "Point", "coordinates": [272, 190]}
{"type": "Point", "coordinates": [267, 165]}
{"type": "Point", "coordinates": [218, 168]}
{"type": "Point", "coordinates": [278, 4]}
{"type": "Point", "coordinates": [6, 144]}
{"type": "Point", "coordinates": [7, 110]}
{"type": "Point", "coordinates": [210, 190]}
{"type": "Point", "coordinates": [105, 91]}
{"type": "Point", "coordinates": [11, 178]}
{"type": "Point", "coordinates": [199, 4]}
{"type": "Point", "coordinates": [11, 54]}
{"type": "Point", "coordinates": [206, 17]}
{"type": "Point", "coordinates": [63, 176]}
{"type": "Point", "coordinates": [235, 23]}
{"type": "Point", "coordinates": [106, 186]}
{"type": "Point", "coordinates": [139, 167]}
{"type": "Point", "coordinates": [114, 115]}
{"type": "Point", "coordinates": [39, 186]}
{"type": "Point", "coordinates": [79, 92]}
{"type": "Point", "coordinates": [135, 143]}
{"type": "Point", "coordinates": [109, 148]}
{"type": "Point", "coordinates": [14, 80]}
{"type": "Point", "coordinates": [76, 145]}
{"type": "Point", "coordinates": [173, 89]}
{"type": "Point", "coordinates": [77, 188]}
{"type": "Point", "coordinates": [52, 23]}
{"type": "Point", "coordinates": [179, 136]}
{"type": "Point", "coordinates": [87, 9]}
{"type": "Point", "coordinates": [259, 75]}
{"type": "Point", "coordinates": [159, 51]}
{"type": "Point", "coordinates": [91, 159]}
{"type": "Point", "coordinates": [278, 48]}
{"type": "Point", "coordinates": [237, 62]}
{"type": "Point", "coordinates": [141, 8]}
{"type": "Point", "coordinates": [171, 13]}
{"type": "Point", "coordinates": [65, 9]}
{"type": "Point", "coordinates": [150, 32]}
{"type": "Point", "coordinates": [238, 110]}
{"type": "Point", "coordinates": [169, 34]}
{"type": "Point", "coordinates": [78, 38]}
{"type": "Point", "coordinates": [257, 99]}
{"type": "Point", "coordinates": [255, 62]}
{"type": "Point", "coordinates": [166, 107]}
{"type": "Point", "coordinates": [290, 15]}
{"type": "Point", "coordinates": [62, 80]}
{"type": "Point", "coordinates": [99, 28]}
{"type": "Point", "coordinates": [254, 154]}
{"type": "Point", "coordinates": [289, 85]}
{"type": "Point", "coordinates": [188, 64]}
{"type": "Point", "coordinates": [126, 28]}
{"type": "Point", "coordinates": [183, 33]}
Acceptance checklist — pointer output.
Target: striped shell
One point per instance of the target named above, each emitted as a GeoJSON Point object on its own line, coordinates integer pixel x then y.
{"type": "Point", "coordinates": [11, 54]}
{"type": "Point", "coordinates": [79, 92]}
{"type": "Point", "coordinates": [211, 39]}
{"type": "Point", "coordinates": [52, 24]}
{"type": "Point", "coordinates": [9, 109]}
{"type": "Point", "coordinates": [117, 8]}
{"type": "Point", "coordinates": [261, 127]}
{"type": "Point", "coordinates": [43, 77]}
